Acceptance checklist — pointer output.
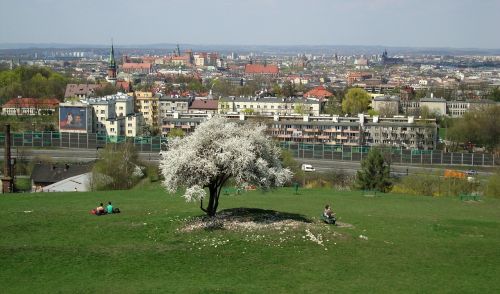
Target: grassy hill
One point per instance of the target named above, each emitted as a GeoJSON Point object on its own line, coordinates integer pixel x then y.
{"type": "Point", "coordinates": [50, 243]}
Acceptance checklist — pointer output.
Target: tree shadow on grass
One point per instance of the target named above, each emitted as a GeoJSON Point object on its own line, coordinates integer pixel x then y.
{"type": "Point", "coordinates": [258, 216]}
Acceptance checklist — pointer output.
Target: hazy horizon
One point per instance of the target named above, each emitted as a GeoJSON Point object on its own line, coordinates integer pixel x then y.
{"type": "Point", "coordinates": [462, 24]}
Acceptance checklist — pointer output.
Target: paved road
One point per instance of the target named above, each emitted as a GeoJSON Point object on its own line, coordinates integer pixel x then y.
{"type": "Point", "coordinates": [70, 154]}
{"type": "Point", "coordinates": [351, 167]}
{"type": "Point", "coordinates": [320, 165]}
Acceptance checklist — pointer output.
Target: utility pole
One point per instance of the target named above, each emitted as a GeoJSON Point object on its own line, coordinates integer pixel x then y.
{"type": "Point", "coordinates": [8, 178]}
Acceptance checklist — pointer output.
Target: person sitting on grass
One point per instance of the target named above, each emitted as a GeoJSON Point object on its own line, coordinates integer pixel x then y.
{"type": "Point", "coordinates": [328, 215]}
{"type": "Point", "coordinates": [109, 208]}
{"type": "Point", "coordinates": [100, 210]}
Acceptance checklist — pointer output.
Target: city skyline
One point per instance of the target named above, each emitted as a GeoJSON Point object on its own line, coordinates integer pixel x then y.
{"type": "Point", "coordinates": [392, 23]}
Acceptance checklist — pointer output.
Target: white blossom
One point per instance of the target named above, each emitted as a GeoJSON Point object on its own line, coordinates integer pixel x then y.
{"type": "Point", "coordinates": [217, 150]}
{"type": "Point", "coordinates": [194, 193]}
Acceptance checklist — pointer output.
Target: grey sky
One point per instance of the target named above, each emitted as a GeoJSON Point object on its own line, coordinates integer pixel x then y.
{"type": "Point", "coordinates": [419, 23]}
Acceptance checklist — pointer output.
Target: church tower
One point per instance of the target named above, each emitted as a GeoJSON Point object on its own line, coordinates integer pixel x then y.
{"type": "Point", "coordinates": [112, 67]}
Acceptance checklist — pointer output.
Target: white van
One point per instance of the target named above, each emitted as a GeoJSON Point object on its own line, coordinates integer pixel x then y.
{"type": "Point", "coordinates": [308, 168]}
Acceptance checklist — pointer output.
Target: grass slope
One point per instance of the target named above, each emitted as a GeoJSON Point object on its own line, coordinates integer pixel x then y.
{"type": "Point", "coordinates": [415, 244]}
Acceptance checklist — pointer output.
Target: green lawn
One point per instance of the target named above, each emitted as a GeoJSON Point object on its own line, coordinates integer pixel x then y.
{"type": "Point", "coordinates": [415, 244]}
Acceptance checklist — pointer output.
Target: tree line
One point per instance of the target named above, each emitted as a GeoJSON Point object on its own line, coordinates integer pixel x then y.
{"type": "Point", "coordinates": [32, 82]}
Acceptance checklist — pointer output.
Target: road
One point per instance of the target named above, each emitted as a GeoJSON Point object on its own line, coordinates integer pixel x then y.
{"type": "Point", "coordinates": [320, 165]}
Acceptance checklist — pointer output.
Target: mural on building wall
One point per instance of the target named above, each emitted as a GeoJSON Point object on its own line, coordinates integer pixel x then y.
{"type": "Point", "coordinates": [72, 118]}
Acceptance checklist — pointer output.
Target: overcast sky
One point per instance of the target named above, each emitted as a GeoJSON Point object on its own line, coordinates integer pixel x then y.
{"type": "Point", "coordinates": [416, 23]}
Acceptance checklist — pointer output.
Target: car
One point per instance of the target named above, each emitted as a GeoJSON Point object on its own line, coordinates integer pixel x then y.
{"type": "Point", "coordinates": [471, 172]}
{"type": "Point", "coordinates": [307, 168]}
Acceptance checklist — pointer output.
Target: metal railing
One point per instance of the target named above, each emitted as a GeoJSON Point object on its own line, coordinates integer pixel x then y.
{"type": "Point", "coordinates": [80, 140]}
{"type": "Point", "coordinates": [395, 155]}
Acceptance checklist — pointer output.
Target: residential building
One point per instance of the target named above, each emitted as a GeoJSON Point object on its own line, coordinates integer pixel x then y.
{"type": "Point", "coordinates": [318, 92]}
{"type": "Point", "coordinates": [270, 105]}
{"type": "Point", "coordinates": [114, 116]}
{"type": "Point", "coordinates": [405, 132]}
{"type": "Point", "coordinates": [81, 91]}
{"type": "Point", "coordinates": [204, 106]}
{"type": "Point", "coordinates": [357, 76]}
{"type": "Point", "coordinates": [435, 105]}
{"type": "Point", "coordinates": [169, 104]}
{"type": "Point", "coordinates": [44, 176]}
{"type": "Point", "coordinates": [148, 105]}
{"type": "Point", "coordinates": [458, 108]}
{"type": "Point", "coordinates": [386, 105]}
{"type": "Point", "coordinates": [30, 106]}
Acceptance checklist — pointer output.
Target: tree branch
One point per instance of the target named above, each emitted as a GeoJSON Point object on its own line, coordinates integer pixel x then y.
{"type": "Point", "coordinates": [201, 206]}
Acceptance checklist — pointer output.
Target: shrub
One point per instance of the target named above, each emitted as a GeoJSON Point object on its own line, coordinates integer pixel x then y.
{"type": "Point", "coordinates": [338, 180]}
{"type": "Point", "coordinates": [434, 185]}
{"type": "Point", "coordinates": [493, 186]}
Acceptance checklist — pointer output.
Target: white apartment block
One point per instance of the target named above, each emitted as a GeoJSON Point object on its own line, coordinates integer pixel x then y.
{"type": "Point", "coordinates": [269, 106]}
{"type": "Point", "coordinates": [363, 130]}
{"type": "Point", "coordinates": [114, 116]}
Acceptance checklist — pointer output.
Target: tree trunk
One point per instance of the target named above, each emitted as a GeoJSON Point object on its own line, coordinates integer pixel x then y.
{"type": "Point", "coordinates": [212, 202]}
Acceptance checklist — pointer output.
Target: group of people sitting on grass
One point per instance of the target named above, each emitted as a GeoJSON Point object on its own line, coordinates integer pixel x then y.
{"type": "Point", "coordinates": [101, 210]}
{"type": "Point", "coordinates": [328, 215]}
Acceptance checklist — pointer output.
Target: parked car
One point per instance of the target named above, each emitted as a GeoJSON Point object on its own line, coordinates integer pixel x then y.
{"type": "Point", "coordinates": [307, 168]}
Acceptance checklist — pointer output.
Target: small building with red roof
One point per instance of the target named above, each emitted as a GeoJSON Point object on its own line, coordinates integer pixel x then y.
{"type": "Point", "coordinates": [318, 92]}
{"type": "Point", "coordinates": [204, 106]}
{"type": "Point", "coordinates": [30, 106]}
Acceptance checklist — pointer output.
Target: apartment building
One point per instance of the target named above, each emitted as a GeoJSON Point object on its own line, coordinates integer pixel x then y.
{"type": "Point", "coordinates": [148, 105]}
{"type": "Point", "coordinates": [386, 105]}
{"type": "Point", "coordinates": [170, 104]}
{"type": "Point", "coordinates": [270, 105]}
{"type": "Point", "coordinates": [458, 108]}
{"type": "Point", "coordinates": [406, 132]}
{"type": "Point", "coordinates": [454, 108]}
{"type": "Point", "coordinates": [114, 116]}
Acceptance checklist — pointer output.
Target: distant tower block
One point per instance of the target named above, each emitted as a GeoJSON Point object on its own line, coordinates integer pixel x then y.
{"type": "Point", "coordinates": [111, 78]}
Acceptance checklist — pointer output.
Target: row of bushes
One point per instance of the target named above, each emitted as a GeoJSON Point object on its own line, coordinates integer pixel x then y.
{"type": "Point", "coordinates": [415, 184]}
{"type": "Point", "coordinates": [434, 185]}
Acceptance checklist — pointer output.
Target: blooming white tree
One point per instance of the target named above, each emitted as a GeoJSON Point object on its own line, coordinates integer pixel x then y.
{"type": "Point", "coordinates": [217, 151]}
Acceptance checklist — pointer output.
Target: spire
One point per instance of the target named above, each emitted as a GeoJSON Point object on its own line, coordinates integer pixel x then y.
{"type": "Point", "coordinates": [112, 65]}
{"type": "Point", "coordinates": [112, 61]}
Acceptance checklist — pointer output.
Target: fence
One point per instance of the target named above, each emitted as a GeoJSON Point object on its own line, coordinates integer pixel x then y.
{"type": "Point", "coordinates": [80, 140]}
{"type": "Point", "coordinates": [298, 150]}
{"type": "Point", "coordinates": [394, 155]}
